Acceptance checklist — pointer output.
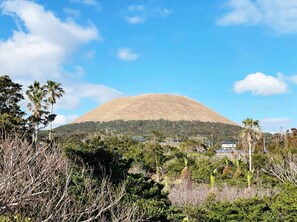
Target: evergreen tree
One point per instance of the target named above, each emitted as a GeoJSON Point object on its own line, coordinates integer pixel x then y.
{"type": "Point", "coordinates": [11, 115]}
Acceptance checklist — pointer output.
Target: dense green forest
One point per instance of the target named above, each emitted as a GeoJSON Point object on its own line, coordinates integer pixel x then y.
{"type": "Point", "coordinates": [175, 129]}
{"type": "Point", "coordinates": [109, 176]}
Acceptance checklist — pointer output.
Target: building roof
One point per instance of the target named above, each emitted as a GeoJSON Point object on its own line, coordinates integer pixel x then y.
{"type": "Point", "coordinates": [228, 142]}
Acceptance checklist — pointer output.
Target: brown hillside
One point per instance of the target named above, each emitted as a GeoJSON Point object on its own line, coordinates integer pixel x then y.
{"type": "Point", "coordinates": [153, 107]}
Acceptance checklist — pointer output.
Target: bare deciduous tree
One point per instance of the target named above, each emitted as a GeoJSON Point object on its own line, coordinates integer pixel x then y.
{"type": "Point", "coordinates": [283, 168]}
{"type": "Point", "coordinates": [36, 184]}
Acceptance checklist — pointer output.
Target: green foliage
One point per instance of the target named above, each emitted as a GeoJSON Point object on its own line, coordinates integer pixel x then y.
{"type": "Point", "coordinates": [77, 185]}
{"type": "Point", "coordinates": [15, 218]}
{"type": "Point", "coordinates": [40, 96]}
{"type": "Point", "coordinates": [11, 115]}
{"type": "Point", "coordinates": [38, 103]}
{"type": "Point", "coordinates": [260, 159]}
{"type": "Point", "coordinates": [192, 145]}
{"type": "Point", "coordinates": [174, 161]}
{"type": "Point", "coordinates": [284, 205]}
{"type": "Point", "coordinates": [136, 154]}
{"type": "Point", "coordinates": [55, 91]}
{"type": "Point", "coordinates": [211, 151]}
{"type": "Point", "coordinates": [212, 178]}
{"type": "Point", "coordinates": [152, 203]}
{"type": "Point", "coordinates": [153, 155]}
{"type": "Point", "coordinates": [194, 214]}
{"type": "Point", "coordinates": [281, 207]}
{"type": "Point", "coordinates": [173, 167]}
{"type": "Point", "coordinates": [157, 136]}
{"type": "Point", "coordinates": [232, 174]}
{"type": "Point", "coordinates": [243, 210]}
{"type": "Point", "coordinates": [104, 159]}
{"type": "Point", "coordinates": [145, 127]}
{"type": "Point", "coordinates": [204, 166]}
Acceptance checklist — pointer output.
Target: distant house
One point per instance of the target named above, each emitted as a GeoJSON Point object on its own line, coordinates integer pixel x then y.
{"type": "Point", "coordinates": [228, 149]}
{"type": "Point", "coordinates": [228, 145]}
{"type": "Point", "coordinates": [139, 139]}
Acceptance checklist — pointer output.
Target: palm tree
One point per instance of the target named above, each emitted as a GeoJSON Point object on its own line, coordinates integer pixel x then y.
{"type": "Point", "coordinates": [55, 92]}
{"type": "Point", "coordinates": [251, 134]}
{"type": "Point", "coordinates": [37, 96]}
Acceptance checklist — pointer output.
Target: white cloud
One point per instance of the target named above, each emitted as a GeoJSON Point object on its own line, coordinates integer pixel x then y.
{"type": "Point", "coordinates": [135, 19]}
{"type": "Point", "coordinates": [164, 12]}
{"type": "Point", "coordinates": [276, 125]}
{"type": "Point", "coordinates": [77, 91]}
{"type": "Point", "coordinates": [86, 2]}
{"type": "Point", "coordinates": [293, 79]}
{"type": "Point", "coordinates": [134, 8]}
{"type": "Point", "coordinates": [63, 119]}
{"type": "Point", "coordinates": [136, 14]}
{"type": "Point", "coordinates": [40, 51]}
{"type": "Point", "coordinates": [261, 84]}
{"type": "Point", "coordinates": [97, 92]}
{"type": "Point", "coordinates": [127, 54]}
{"type": "Point", "coordinates": [71, 12]}
{"type": "Point", "coordinates": [279, 15]}
{"type": "Point", "coordinates": [90, 54]}
{"type": "Point", "coordinates": [89, 3]}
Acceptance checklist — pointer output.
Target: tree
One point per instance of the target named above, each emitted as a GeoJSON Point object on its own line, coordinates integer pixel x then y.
{"type": "Point", "coordinates": [154, 158]}
{"type": "Point", "coordinates": [11, 115]}
{"type": "Point", "coordinates": [157, 136]}
{"type": "Point", "coordinates": [192, 145]}
{"type": "Point", "coordinates": [37, 105]}
{"type": "Point", "coordinates": [55, 92]}
{"type": "Point", "coordinates": [250, 135]}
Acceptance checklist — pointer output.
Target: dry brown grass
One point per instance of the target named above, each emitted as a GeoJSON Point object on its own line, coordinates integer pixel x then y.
{"type": "Point", "coordinates": [153, 107]}
{"type": "Point", "coordinates": [184, 195]}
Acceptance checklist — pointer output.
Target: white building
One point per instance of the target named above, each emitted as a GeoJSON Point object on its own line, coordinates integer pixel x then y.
{"type": "Point", "coordinates": [230, 145]}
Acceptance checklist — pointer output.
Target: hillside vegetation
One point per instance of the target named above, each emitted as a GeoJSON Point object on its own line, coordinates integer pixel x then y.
{"type": "Point", "coordinates": [174, 129]}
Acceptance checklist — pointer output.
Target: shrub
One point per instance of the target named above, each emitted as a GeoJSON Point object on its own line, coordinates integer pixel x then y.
{"type": "Point", "coordinates": [37, 183]}
{"type": "Point", "coordinates": [152, 204]}
{"type": "Point", "coordinates": [96, 154]}
{"type": "Point", "coordinates": [279, 207]}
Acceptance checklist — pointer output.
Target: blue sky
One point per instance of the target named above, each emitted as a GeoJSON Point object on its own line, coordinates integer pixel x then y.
{"type": "Point", "coordinates": [237, 57]}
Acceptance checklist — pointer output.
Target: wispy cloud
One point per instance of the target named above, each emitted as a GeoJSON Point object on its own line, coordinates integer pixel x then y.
{"type": "Point", "coordinates": [89, 3]}
{"type": "Point", "coordinates": [126, 54]}
{"type": "Point", "coordinates": [90, 54]}
{"type": "Point", "coordinates": [164, 12]}
{"type": "Point", "coordinates": [261, 84]}
{"type": "Point", "coordinates": [136, 8]}
{"type": "Point", "coordinates": [86, 2]}
{"type": "Point", "coordinates": [276, 125]}
{"type": "Point", "coordinates": [279, 15]}
{"type": "Point", "coordinates": [135, 19]}
{"type": "Point", "coordinates": [41, 52]}
{"type": "Point", "coordinates": [293, 79]}
{"type": "Point", "coordinates": [136, 14]}
{"type": "Point", "coordinates": [71, 12]}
